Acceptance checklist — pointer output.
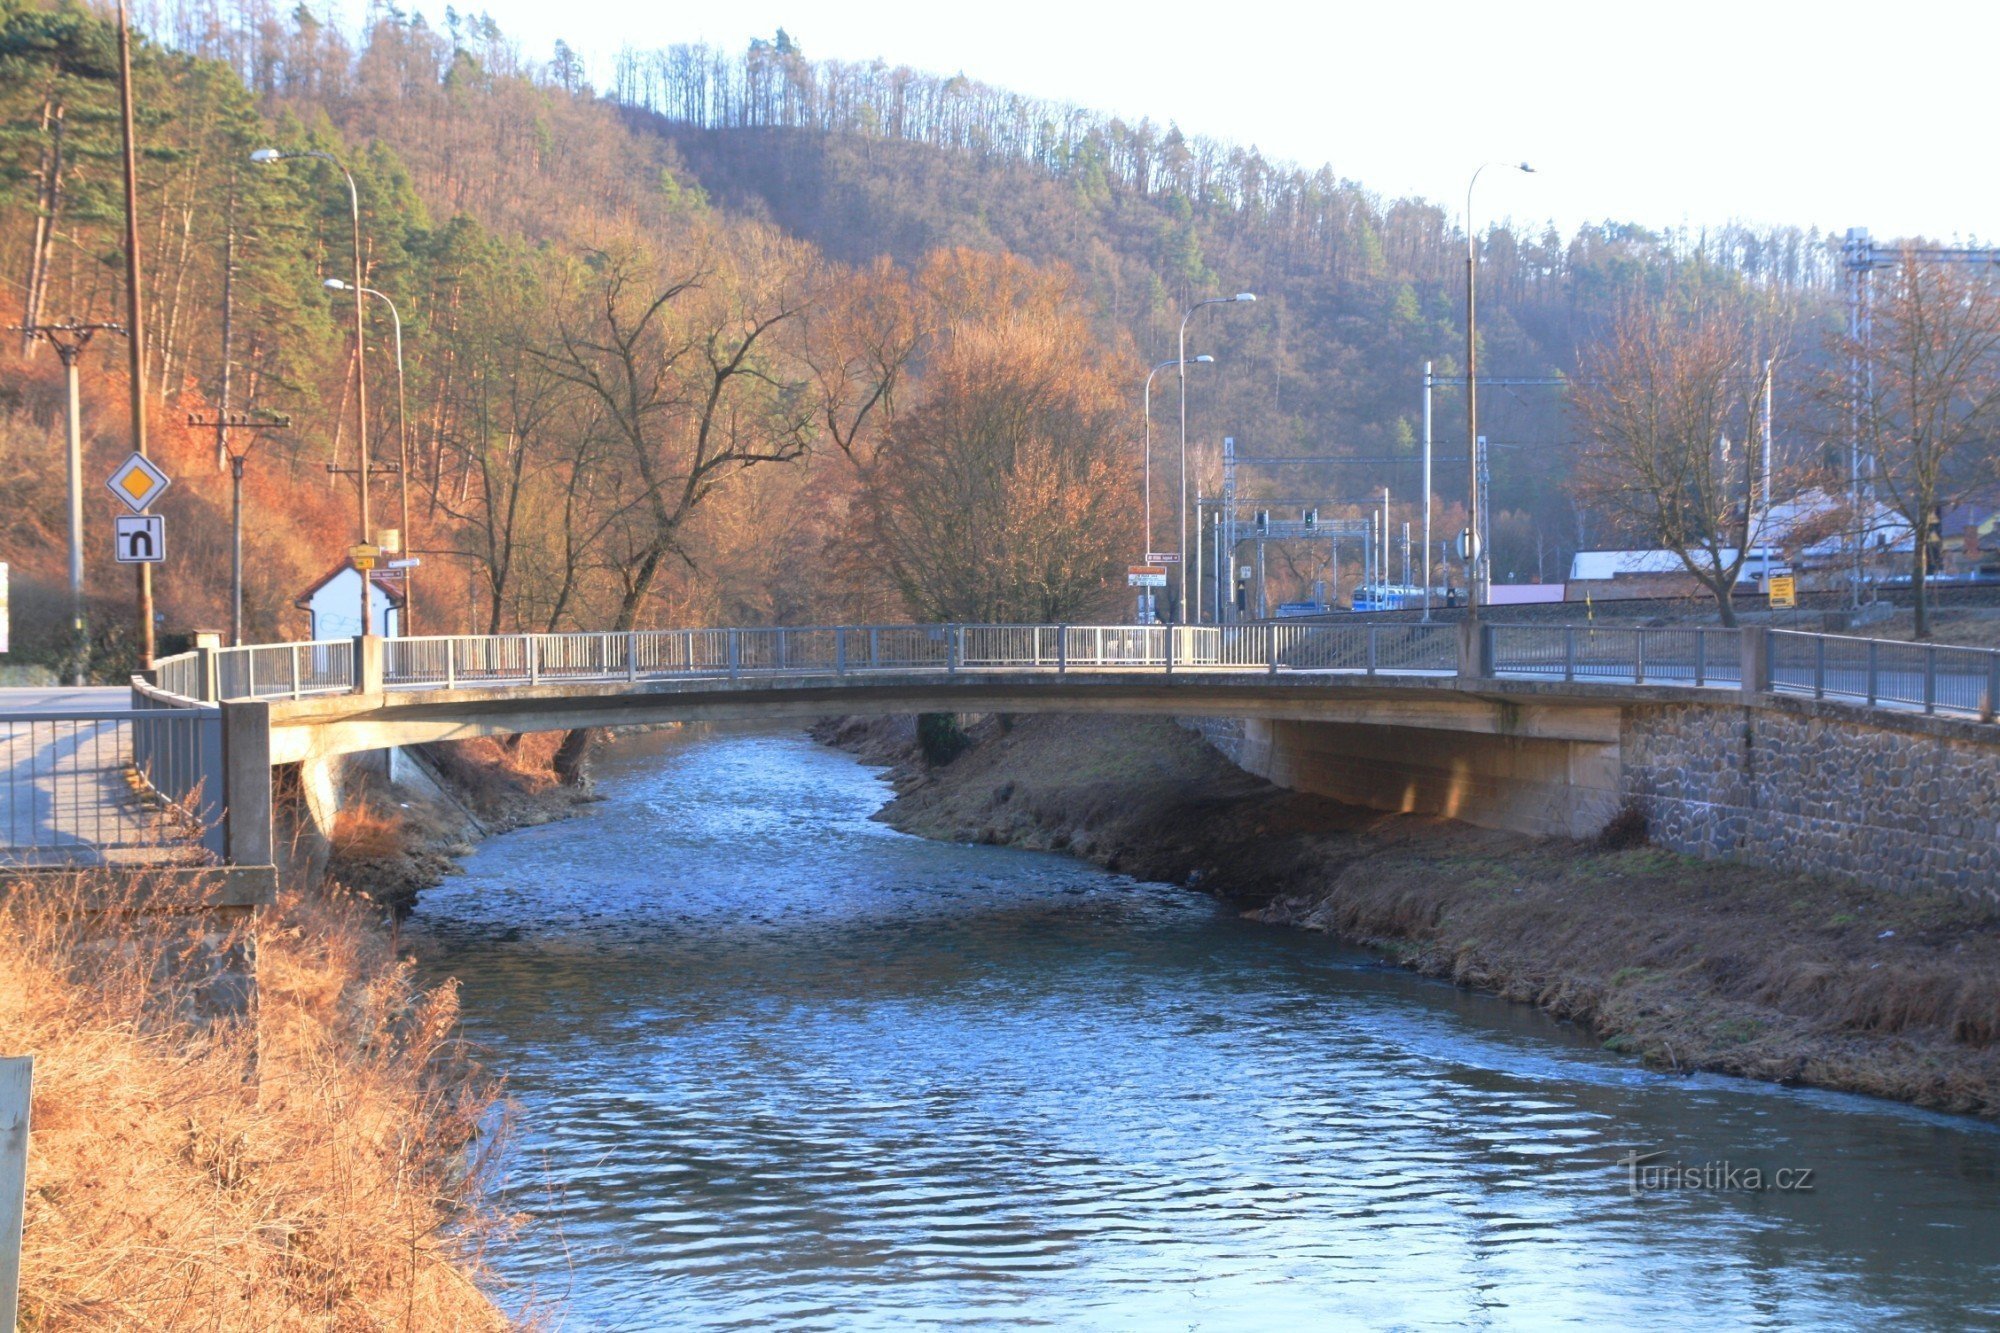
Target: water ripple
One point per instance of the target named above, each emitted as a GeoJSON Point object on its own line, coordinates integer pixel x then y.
{"type": "Point", "coordinates": [783, 1067]}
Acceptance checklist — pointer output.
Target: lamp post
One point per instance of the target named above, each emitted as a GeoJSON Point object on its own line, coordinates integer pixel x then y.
{"type": "Point", "coordinates": [1475, 554]}
{"type": "Point", "coordinates": [1202, 360]}
{"type": "Point", "coordinates": [267, 155]}
{"type": "Point", "coordinates": [402, 450]}
{"type": "Point", "coordinates": [1181, 600]}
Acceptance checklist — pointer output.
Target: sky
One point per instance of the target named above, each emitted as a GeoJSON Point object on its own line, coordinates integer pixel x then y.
{"type": "Point", "coordinates": [1827, 114]}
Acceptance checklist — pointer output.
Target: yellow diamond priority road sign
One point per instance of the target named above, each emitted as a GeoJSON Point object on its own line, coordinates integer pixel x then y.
{"type": "Point", "coordinates": [138, 483]}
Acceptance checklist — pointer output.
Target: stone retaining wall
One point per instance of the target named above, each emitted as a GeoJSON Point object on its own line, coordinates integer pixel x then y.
{"type": "Point", "coordinates": [1804, 788]}
{"type": "Point", "coordinates": [1895, 802]}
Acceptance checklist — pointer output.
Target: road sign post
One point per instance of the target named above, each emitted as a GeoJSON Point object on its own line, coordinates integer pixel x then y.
{"type": "Point", "coordinates": [1784, 592]}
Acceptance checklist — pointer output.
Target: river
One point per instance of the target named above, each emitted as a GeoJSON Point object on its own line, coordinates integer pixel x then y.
{"type": "Point", "coordinates": [777, 1065]}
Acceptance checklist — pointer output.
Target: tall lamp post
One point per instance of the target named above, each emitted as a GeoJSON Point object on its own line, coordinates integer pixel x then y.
{"type": "Point", "coordinates": [267, 155]}
{"type": "Point", "coordinates": [1181, 602]}
{"type": "Point", "coordinates": [1202, 360]}
{"type": "Point", "coordinates": [1475, 554]}
{"type": "Point", "coordinates": [402, 449]}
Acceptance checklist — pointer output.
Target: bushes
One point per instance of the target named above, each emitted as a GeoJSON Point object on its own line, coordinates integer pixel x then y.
{"type": "Point", "coordinates": [940, 738]}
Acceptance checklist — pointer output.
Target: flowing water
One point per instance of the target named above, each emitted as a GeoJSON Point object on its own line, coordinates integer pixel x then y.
{"type": "Point", "coordinates": [778, 1065]}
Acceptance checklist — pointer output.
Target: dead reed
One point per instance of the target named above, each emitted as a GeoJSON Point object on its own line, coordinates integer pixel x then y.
{"type": "Point", "coordinates": [321, 1168]}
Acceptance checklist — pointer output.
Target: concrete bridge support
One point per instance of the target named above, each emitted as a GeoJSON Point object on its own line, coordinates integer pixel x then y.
{"type": "Point", "coordinates": [1531, 784]}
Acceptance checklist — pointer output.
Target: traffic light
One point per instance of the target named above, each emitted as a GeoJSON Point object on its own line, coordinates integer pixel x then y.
{"type": "Point", "coordinates": [1312, 520]}
{"type": "Point", "coordinates": [1263, 521]}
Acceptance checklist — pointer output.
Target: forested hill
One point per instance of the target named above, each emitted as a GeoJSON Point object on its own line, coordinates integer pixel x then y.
{"type": "Point", "coordinates": [509, 211]}
{"type": "Point", "coordinates": [1355, 291]}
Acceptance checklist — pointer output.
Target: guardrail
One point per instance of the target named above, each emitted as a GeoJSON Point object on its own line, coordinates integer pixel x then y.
{"type": "Point", "coordinates": [136, 786]}
{"type": "Point", "coordinates": [1934, 678]}
{"type": "Point", "coordinates": [1641, 656]}
{"type": "Point", "coordinates": [452, 661]}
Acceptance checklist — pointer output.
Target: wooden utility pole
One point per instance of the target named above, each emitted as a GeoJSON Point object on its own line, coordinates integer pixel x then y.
{"type": "Point", "coordinates": [135, 322]}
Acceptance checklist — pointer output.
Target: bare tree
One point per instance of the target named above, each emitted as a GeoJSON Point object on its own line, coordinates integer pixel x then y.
{"type": "Point", "coordinates": [1930, 410]}
{"type": "Point", "coordinates": [1670, 403]}
{"type": "Point", "coordinates": [690, 387]}
{"type": "Point", "coordinates": [861, 337]}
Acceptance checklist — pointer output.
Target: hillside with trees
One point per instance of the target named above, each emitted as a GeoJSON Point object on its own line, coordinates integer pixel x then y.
{"type": "Point", "coordinates": [726, 341]}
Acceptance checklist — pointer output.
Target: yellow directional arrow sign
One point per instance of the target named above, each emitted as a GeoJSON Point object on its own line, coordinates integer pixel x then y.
{"type": "Point", "coordinates": [138, 483]}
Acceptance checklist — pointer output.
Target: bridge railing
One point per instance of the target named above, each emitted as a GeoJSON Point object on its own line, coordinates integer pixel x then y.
{"type": "Point", "coordinates": [1929, 676]}
{"type": "Point", "coordinates": [180, 674]}
{"type": "Point", "coordinates": [285, 670]}
{"type": "Point", "coordinates": [1678, 656]}
{"type": "Point", "coordinates": [1370, 649]}
{"type": "Point", "coordinates": [140, 786]}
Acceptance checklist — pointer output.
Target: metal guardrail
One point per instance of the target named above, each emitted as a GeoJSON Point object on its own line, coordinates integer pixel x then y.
{"type": "Point", "coordinates": [1933, 677]}
{"type": "Point", "coordinates": [1639, 656]}
{"type": "Point", "coordinates": [285, 670]}
{"type": "Point", "coordinates": [140, 786]}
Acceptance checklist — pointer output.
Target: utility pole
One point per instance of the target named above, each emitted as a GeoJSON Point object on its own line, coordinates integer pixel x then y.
{"type": "Point", "coordinates": [69, 340]}
{"type": "Point", "coordinates": [223, 422]}
{"type": "Point", "coordinates": [1427, 490]}
{"type": "Point", "coordinates": [135, 322]}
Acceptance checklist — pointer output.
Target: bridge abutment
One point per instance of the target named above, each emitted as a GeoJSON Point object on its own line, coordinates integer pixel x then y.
{"type": "Point", "coordinates": [1897, 801]}
{"type": "Point", "coordinates": [1528, 784]}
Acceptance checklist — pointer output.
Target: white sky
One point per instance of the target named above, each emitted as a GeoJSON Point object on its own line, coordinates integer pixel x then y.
{"type": "Point", "coordinates": [1764, 111]}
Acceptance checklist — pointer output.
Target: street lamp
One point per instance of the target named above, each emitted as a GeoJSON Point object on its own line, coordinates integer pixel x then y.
{"type": "Point", "coordinates": [1181, 604]}
{"type": "Point", "coordinates": [1475, 554]}
{"type": "Point", "coordinates": [1203, 360]}
{"type": "Point", "coordinates": [263, 157]}
{"type": "Point", "coordinates": [402, 444]}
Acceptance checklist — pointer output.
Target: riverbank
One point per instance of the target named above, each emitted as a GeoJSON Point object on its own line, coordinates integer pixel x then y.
{"type": "Point", "coordinates": [392, 843]}
{"type": "Point", "coordinates": [318, 1168]}
{"type": "Point", "coordinates": [1686, 964]}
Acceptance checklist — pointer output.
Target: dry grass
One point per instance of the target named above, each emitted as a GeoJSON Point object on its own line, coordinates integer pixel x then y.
{"type": "Point", "coordinates": [506, 782]}
{"type": "Point", "coordinates": [323, 1172]}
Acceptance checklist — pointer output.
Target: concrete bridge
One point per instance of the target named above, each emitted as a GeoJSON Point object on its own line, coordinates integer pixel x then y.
{"type": "Point", "coordinates": [1869, 758]}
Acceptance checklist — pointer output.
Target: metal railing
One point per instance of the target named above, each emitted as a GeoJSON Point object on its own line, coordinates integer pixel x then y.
{"type": "Point", "coordinates": [285, 670]}
{"type": "Point", "coordinates": [179, 674]}
{"type": "Point", "coordinates": [1627, 656]}
{"type": "Point", "coordinates": [1932, 677]}
{"type": "Point", "coordinates": [1935, 678]}
{"type": "Point", "coordinates": [1371, 649]}
{"type": "Point", "coordinates": [132, 787]}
